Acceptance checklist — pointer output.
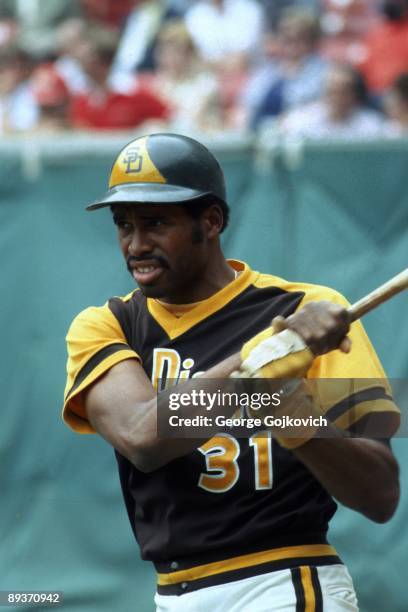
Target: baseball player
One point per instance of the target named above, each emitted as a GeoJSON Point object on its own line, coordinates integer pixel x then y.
{"type": "Point", "coordinates": [231, 524]}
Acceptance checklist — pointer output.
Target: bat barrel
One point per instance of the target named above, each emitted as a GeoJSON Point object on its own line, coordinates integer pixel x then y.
{"type": "Point", "coordinates": [378, 296]}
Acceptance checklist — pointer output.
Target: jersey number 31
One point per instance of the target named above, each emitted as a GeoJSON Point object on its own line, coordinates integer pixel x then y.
{"type": "Point", "coordinates": [221, 457]}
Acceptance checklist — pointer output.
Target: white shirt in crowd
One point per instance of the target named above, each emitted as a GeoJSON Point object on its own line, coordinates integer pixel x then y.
{"type": "Point", "coordinates": [18, 110]}
{"type": "Point", "coordinates": [141, 27]}
{"type": "Point", "coordinates": [233, 27]}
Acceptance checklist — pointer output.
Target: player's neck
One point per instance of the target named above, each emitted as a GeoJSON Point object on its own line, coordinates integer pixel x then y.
{"type": "Point", "coordinates": [216, 275]}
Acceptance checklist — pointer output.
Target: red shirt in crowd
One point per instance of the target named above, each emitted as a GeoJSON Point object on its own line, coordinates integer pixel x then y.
{"type": "Point", "coordinates": [385, 54]}
{"type": "Point", "coordinates": [111, 110]}
{"type": "Point", "coordinates": [109, 12]}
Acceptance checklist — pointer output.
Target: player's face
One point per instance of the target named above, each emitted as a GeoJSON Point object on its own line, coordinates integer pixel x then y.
{"type": "Point", "coordinates": [164, 248]}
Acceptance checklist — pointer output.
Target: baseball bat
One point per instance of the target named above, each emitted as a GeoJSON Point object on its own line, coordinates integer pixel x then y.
{"type": "Point", "coordinates": [395, 285]}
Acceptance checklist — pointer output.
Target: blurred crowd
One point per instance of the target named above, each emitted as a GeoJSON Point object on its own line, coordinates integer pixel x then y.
{"type": "Point", "coordinates": [309, 68]}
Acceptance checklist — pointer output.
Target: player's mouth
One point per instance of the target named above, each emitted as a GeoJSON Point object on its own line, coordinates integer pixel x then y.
{"type": "Point", "coordinates": [146, 272]}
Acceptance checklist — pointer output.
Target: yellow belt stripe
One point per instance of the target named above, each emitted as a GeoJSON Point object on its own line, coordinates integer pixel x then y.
{"type": "Point", "coordinates": [306, 577]}
{"type": "Point", "coordinates": [275, 554]}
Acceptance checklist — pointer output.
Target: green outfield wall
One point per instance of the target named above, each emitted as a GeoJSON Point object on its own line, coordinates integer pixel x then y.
{"type": "Point", "coordinates": [334, 215]}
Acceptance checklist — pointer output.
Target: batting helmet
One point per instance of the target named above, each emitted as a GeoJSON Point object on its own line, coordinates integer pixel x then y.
{"type": "Point", "coordinates": [163, 169]}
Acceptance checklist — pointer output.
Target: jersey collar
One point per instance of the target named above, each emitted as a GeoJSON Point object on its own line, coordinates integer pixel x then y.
{"type": "Point", "coordinates": [175, 326]}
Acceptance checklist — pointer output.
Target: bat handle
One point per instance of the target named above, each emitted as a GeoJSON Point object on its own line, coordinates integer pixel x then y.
{"type": "Point", "coordinates": [378, 296]}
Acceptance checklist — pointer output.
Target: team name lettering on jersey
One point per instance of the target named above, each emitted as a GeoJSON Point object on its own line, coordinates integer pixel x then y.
{"type": "Point", "coordinates": [169, 368]}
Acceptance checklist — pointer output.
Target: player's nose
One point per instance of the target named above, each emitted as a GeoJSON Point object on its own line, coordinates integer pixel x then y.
{"type": "Point", "coordinates": [139, 243]}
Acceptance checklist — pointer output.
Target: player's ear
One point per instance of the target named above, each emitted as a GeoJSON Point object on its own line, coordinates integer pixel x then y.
{"type": "Point", "coordinates": [213, 220]}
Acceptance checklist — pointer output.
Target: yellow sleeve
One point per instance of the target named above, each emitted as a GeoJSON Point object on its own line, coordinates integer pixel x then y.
{"type": "Point", "coordinates": [95, 343]}
{"type": "Point", "coordinates": [346, 387]}
{"type": "Point", "coordinates": [361, 385]}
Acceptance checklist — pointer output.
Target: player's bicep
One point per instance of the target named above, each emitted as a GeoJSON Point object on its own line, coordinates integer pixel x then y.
{"type": "Point", "coordinates": [119, 406]}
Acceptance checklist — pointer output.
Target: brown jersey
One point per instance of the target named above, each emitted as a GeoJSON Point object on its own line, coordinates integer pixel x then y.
{"type": "Point", "coordinates": [235, 506]}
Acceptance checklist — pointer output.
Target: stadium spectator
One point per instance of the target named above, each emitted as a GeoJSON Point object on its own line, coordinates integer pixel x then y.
{"type": "Point", "coordinates": [18, 107]}
{"type": "Point", "coordinates": [226, 30]}
{"type": "Point", "coordinates": [114, 13]}
{"type": "Point", "coordinates": [396, 106]}
{"type": "Point", "coordinates": [274, 10]}
{"type": "Point", "coordinates": [8, 31]}
{"type": "Point", "coordinates": [227, 34]}
{"type": "Point", "coordinates": [71, 37]}
{"type": "Point", "coordinates": [136, 50]}
{"type": "Point", "coordinates": [181, 79]}
{"type": "Point", "coordinates": [385, 47]}
{"type": "Point", "coordinates": [52, 97]}
{"type": "Point", "coordinates": [343, 25]}
{"type": "Point", "coordinates": [36, 21]}
{"type": "Point", "coordinates": [340, 114]}
{"type": "Point", "coordinates": [291, 80]}
{"type": "Point", "coordinates": [109, 13]}
{"type": "Point", "coordinates": [104, 108]}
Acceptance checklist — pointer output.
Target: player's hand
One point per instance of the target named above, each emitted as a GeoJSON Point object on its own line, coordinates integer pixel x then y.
{"type": "Point", "coordinates": [322, 325]}
{"type": "Point", "coordinates": [318, 327]}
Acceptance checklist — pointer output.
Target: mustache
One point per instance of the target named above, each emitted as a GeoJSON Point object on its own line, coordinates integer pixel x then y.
{"type": "Point", "coordinates": [157, 258]}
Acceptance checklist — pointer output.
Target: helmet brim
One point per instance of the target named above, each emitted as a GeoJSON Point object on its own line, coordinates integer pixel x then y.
{"type": "Point", "coordinates": [147, 193]}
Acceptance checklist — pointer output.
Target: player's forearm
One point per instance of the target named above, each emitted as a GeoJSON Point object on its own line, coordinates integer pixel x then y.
{"type": "Point", "coordinates": [361, 474]}
{"type": "Point", "coordinates": [145, 449]}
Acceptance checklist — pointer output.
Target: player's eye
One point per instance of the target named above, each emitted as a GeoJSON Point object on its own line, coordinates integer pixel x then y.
{"type": "Point", "coordinates": [123, 225]}
{"type": "Point", "coordinates": [155, 222]}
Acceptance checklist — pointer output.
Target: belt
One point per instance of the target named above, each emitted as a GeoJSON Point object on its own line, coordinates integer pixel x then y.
{"type": "Point", "coordinates": [245, 566]}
